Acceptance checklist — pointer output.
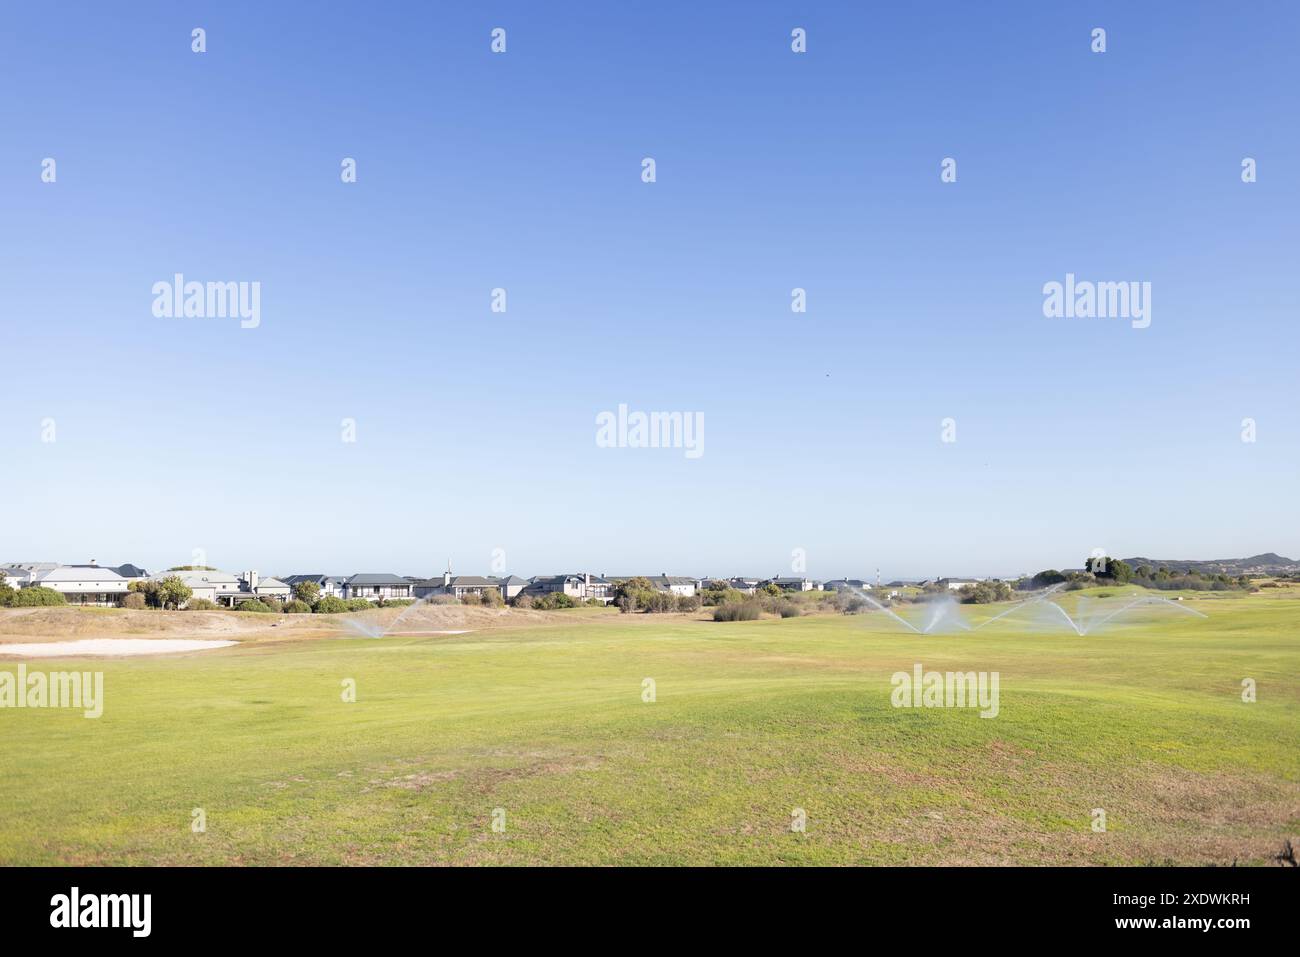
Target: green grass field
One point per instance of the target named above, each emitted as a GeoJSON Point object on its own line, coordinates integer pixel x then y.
{"type": "Point", "coordinates": [752, 720]}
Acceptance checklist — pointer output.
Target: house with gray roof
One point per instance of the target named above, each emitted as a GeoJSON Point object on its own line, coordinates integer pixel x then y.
{"type": "Point", "coordinates": [794, 584]}
{"type": "Point", "coordinates": [209, 584]}
{"type": "Point", "coordinates": [456, 586]}
{"type": "Point", "coordinates": [331, 585]}
{"type": "Point", "coordinates": [84, 585]}
{"type": "Point", "coordinates": [375, 585]}
{"type": "Point", "coordinates": [579, 587]}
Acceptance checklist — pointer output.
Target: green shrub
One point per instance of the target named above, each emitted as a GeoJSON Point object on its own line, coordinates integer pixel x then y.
{"type": "Point", "coordinates": [330, 605]}
{"type": "Point", "coordinates": [202, 604]}
{"type": "Point", "coordinates": [360, 604]}
{"type": "Point", "coordinates": [737, 611]}
{"type": "Point", "coordinates": [272, 603]}
{"type": "Point", "coordinates": [254, 605]}
{"type": "Point", "coordinates": [688, 603]}
{"type": "Point", "coordinates": [38, 595]}
{"type": "Point", "coordinates": [297, 607]}
{"type": "Point", "coordinates": [133, 600]}
{"type": "Point", "coordinates": [398, 602]}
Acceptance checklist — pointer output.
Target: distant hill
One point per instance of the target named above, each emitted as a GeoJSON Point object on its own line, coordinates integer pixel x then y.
{"type": "Point", "coordinates": [1269, 563]}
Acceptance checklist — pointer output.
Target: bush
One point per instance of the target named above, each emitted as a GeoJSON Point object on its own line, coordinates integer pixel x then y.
{"type": "Point", "coordinates": [737, 611]}
{"type": "Point", "coordinates": [254, 605]}
{"type": "Point", "coordinates": [471, 598]}
{"type": "Point", "coordinates": [37, 595]}
{"type": "Point", "coordinates": [523, 601]}
{"type": "Point", "coordinates": [789, 610]}
{"type": "Point", "coordinates": [553, 600]}
{"type": "Point", "coordinates": [361, 604]}
{"type": "Point", "coordinates": [658, 602]}
{"type": "Point", "coordinates": [398, 602]}
{"type": "Point", "coordinates": [201, 604]}
{"type": "Point", "coordinates": [330, 605]}
{"type": "Point", "coordinates": [595, 603]}
{"type": "Point", "coordinates": [688, 603]}
{"type": "Point", "coordinates": [297, 607]}
{"type": "Point", "coordinates": [272, 603]}
{"type": "Point", "coordinates": [133, 600]}
{"type": "Point", "coordinates": [492, 598]}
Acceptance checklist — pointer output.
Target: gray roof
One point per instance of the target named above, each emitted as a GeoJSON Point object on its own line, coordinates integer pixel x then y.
{"type": "Point", "coordinates": [294, 579]}
{"type": "Point", "coordinates": [514, 580]}
{"type": "Point", "coordinates": [80, 573]}
{"type": "Point", "coordinates": [377, 578]}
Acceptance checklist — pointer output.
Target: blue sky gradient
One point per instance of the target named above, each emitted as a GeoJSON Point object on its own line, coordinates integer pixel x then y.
{"type": "Point", "coordinates": [475, 430]}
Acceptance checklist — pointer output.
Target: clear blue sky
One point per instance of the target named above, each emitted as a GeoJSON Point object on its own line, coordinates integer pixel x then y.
{"type": "Point", "coordinates": [476, 430]}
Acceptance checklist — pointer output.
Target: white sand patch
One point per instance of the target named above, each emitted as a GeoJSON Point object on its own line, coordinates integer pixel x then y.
{"type": "Point", "coordinates": [113, 647]}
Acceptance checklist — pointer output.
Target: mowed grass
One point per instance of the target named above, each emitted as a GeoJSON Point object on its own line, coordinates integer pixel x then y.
{"type": "Point", "coordinates": [751, 721]}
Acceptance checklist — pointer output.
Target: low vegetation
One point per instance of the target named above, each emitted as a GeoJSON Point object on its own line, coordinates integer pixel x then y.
{"type": "Point", "coordinates": [750, 720]}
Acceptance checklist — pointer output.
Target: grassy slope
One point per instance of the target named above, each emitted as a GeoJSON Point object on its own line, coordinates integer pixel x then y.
{"type": "Point", "coordinates": [752, 719]}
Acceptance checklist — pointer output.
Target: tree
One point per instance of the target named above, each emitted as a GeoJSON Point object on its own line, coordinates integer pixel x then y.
{"type": "Point", "coordinates": [172, 592]}
{"type": "Point", "coordinates": [7, 591]}
{"type": "Point", "coordinates": [630, 587]}
{"type": "Point", "coordinates": [1114, 569]}
{"type": "Point", "coordinates": [492, 598]}
{"type": "Point", "coordinates": [306, 592]}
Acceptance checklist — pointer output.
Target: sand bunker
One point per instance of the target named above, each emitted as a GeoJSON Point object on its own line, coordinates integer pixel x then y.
{"type": "Point", "coordinates": [112, 647]}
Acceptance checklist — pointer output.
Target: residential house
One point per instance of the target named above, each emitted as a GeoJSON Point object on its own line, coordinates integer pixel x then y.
{"type": "Point", "coordinates": [375, 585]}
{"type": "Point", "coordinates": [331, 585]}
{"type": "Point", "coordinates": [455, 586]}
{"type": "Point", "coordinates": [794, 584]}
{"type": "Point", "coordinates": [578, 587]}
{"type": "Point", "coordinates": [252, 585]}
{"type": "Point", "coordinates": [84, 585]}
{"type": "Point", "coordinates": [748, 586]}
{"type": "Point", "coordinates": [208, 584]}
{"type": "Point", "coordinates": [15, 577]}
{"type": "Point", "coordinates": [676, 584]}
{"type": "Point", "coordinates": [512, 586]}
{"type": "Point", "coordinates": [849, 584]}
{"type": "Point", "coordinates": [127, 571]}
{"type": "Point", "coordinates": [957, 583]}
{"type": "Point", "coordinates": [29, 569]}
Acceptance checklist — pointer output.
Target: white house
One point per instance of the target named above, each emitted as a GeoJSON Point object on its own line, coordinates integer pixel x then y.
{"type": "Point", "coordinates": [373, 585]}
{"type": "Point", "coordinates": [208, 584]}
{"type": "Point", "coordinates": [675, 584]}
{"type": "Point", "coordinates": [84, 584]}
{"type": "Point", "coordinates": [578, 587]}
{"type": "Point", "coordinates": [794, 584]}
{"type": "Point", "coordinates": [329, 585]}
{"type": "Point", "coordinates": [253, 585]}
